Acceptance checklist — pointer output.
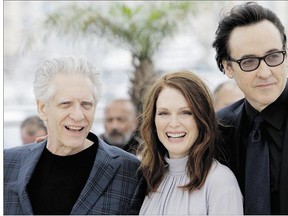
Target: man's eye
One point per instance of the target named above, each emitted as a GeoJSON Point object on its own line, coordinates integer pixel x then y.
{"type": "Point", "coordinates": [65, 104]}
{"type": "Point", "coordinates": [87, 105]}
{"type": "Point", "coordinates": [122, 119]}
{"type": "Point", "coordinates": [249, 61]}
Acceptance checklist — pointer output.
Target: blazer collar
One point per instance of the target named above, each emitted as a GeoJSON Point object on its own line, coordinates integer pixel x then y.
{"type": "Point", "coordinates": [102, 173]}
{"type": "Point", "coordinates": [28, 164]}
{"type": "Point", "coordinates": [234, 117]}
{"type": "Point", "coordinates": [237, 122]}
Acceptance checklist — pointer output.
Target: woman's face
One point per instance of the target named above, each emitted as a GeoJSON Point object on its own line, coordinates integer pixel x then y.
{"type": "Point", "coordinates": [175, 124]}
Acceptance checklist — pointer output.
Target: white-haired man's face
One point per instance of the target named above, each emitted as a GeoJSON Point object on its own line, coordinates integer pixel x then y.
{"type": "Point", "coordinates": [69, 114]}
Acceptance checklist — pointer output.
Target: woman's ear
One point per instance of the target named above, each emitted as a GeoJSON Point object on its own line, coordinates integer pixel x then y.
{"type": "Point", "coordinates": [42, 110]}
{"type": "Point", "coordinates": [228, 69]}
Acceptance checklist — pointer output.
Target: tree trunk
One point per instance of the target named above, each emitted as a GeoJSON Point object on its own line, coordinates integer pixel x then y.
{"type": "Point", "coordinates": [141, 79]}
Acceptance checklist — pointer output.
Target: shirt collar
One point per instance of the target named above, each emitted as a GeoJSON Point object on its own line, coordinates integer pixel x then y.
{"type": "Point", "coordinates": [251, 112]}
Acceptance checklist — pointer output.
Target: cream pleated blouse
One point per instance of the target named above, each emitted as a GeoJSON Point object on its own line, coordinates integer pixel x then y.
{"type": "Point", "coordinates": [219, 195]}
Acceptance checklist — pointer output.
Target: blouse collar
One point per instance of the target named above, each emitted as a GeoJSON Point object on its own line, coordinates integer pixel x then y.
{"type": "Point", "coordinates": [176, 165]}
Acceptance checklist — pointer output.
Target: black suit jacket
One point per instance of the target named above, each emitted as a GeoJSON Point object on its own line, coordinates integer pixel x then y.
{"type": "Point", "coordinates": [231, 119]}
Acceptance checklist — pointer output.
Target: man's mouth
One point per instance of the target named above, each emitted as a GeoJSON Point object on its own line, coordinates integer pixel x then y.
{"type": "Point", "coordinates": [74, 128]}
{"type": "Point", "coordinates": [115, 134]}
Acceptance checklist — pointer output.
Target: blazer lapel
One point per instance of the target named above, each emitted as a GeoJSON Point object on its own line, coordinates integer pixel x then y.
{"type": "Point", "coordinates": [237, 122]}
{"type": "Point", "coordinates": [233, 125]}
{"type": "Point", "coordinates": [103, 171]}
{"type": "Point", "coordinates": [28, 164]}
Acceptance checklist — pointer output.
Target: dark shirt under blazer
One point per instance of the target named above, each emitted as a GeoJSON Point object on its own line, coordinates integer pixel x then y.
{"type": "Point", "coordinates": [234, 127]}
{"type": "Point", "coordinates": [113, 186]}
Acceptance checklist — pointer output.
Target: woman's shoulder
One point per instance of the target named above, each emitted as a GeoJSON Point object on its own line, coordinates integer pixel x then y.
{"type": "Point", "coordinates": [221, 175]}
{"type": "Point", "coordinates": [222, 191]}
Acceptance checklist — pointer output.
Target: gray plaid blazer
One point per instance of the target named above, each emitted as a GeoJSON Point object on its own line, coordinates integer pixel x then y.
{"type": "Point", "coordinates": [113, 187]}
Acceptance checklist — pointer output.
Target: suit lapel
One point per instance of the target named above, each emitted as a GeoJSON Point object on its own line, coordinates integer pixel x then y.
{"type": "Point", "coordinates": [237, 122]}
{"type": "Point", "coordinates": [28, 164]}
{"type": "Point", "coordinates": [233, 121]}
{"type": "Point", "coordinates": [103, 171]}
{"type": "Point", "coordinates": [232, 132]}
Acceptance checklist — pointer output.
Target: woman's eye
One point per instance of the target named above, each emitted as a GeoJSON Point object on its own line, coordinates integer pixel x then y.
{"type": "Point", "coordinates": [163, 113]}
{"type": "Point", "coordinates": [187, 112]}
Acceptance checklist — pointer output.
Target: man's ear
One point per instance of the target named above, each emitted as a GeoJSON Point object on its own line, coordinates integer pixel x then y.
{"type": "Point", "coordinates": [42, 110]}
{"type": "Point", "coordinates": [229, 71]}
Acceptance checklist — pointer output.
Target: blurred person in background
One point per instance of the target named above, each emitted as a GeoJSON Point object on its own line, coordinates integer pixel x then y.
{"type": "Point", "coordinates": [180, 139]}
{"type": "Point", "coordinates": [225, 94]}
{"type": "Point", "coordinates": [72, 171]}
{"type": "Point", "coordinates": [121, 124]}
{"type": "Point", "coordinates": [31, 128]}
{"type": "Point", "coordinates": [251, 47]}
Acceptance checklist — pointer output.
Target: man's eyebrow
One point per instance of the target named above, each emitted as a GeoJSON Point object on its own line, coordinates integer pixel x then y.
{"type": "Point", "coordinates": [63, 101]}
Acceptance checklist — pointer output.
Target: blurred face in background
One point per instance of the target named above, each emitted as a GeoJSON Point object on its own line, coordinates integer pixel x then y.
{"type": "Point", "coordinates": [175, 124]}
{"type": "Point", "coordinates": [226, 95]}
{"type": "Point", "coordinates": [120, 122]}
{"type": "Point", "coordinates": [29, 133]}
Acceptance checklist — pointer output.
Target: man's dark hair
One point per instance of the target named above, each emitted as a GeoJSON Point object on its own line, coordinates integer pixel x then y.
{"type": "Point", "coordinates": [242, 15]}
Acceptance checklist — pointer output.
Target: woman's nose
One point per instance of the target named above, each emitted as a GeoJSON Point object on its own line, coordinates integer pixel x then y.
{"type": "Point", "coordinates": [174, 121]}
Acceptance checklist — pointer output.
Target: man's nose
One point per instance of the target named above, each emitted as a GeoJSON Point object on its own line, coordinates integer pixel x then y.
{"type": "Point", "coordinates": [264, 71]}
{"type": "Point", "coordinates": [115, 124]}
{"type": "Point", "coordinates": [76, 113]}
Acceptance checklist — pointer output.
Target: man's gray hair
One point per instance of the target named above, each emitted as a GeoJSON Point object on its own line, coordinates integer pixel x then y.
{"type": "Point", "coordinates": [64, 65]}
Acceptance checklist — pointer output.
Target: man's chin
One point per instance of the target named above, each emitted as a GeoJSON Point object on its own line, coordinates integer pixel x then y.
{"type": "Point", "coordinates": [118, 143]}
